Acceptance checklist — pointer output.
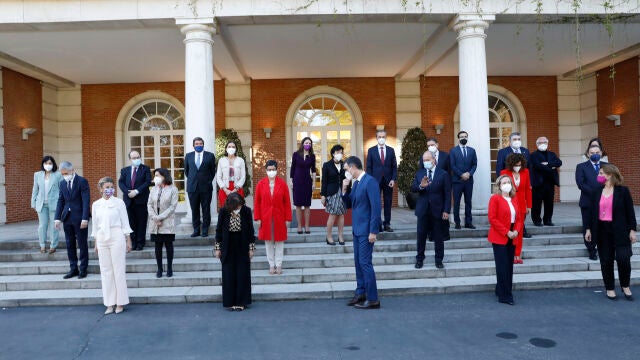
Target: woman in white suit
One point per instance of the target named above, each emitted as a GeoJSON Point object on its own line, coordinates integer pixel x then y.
{"type": "Point", "coordinates": [230, 174]}
{"type": "Point", "coordinates": [110, 228]}
{"type": "Point", "coordinates": [44, 198]}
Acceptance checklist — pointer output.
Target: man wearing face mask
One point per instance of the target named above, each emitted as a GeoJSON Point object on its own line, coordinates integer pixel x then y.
{"type": "Point", "coordinates": [382, 165]}
{"type": "Point", "coordinates": [200, 170]}
{"type": "Point", "coordinates": [587, 181]}
{"type": "Point", "coordinates": [72, 213]}
{"type": "Point", "coordinates": [515, 147]}
{"type": "Point", "coordinates": [433, 186]}
{"type": "Point", "coordinates": [543, 166]}
{"type": "Point", "coordinates": [134, 183]}
{"type": "Point", "coordinates": [463, 161]}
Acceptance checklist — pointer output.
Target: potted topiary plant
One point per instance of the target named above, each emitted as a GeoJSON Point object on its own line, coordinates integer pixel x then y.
{"type": "Point", "coordinates": [222, 138]}
{"type": "Point", "coordinates": [414, 145]}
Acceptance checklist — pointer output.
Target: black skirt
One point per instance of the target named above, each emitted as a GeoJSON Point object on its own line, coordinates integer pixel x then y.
{"type": "Point", "coordinates": [236, 274]}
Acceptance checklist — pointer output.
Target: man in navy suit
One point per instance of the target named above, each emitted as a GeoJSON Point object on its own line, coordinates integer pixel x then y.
{"type": "Point", "coordinates": [515, 147]}
{"type": "Point", "coordinates": [200, 169]}
{"type": "Point", "coordinates": [463, 162]}
{"type": "Point", "coordinates": [587, 181]}
{"type": "Point", "coordinates": [364, 200]}
{"type": "Point", "coordinates": [442, 162]}
{"type": "Point", "coordinates": [433, 186]}
{"type": "Point", "coordinates": [382, 165]}
{"type": "Point", "coordinates": [73, 213]}
{"type": "Point", "coordinates": [543, 166]}
{"type": "Point", "coordinates": [134, 183]}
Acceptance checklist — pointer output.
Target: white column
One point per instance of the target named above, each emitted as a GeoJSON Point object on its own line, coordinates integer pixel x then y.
{"type": "Point", "coordinates": [199, 110]}
{"type": "Point", "coordinates": [474, 114]}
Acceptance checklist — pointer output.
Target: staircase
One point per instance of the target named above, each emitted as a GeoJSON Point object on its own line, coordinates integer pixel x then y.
{"type": "Point", "coordinates": [554, 258]}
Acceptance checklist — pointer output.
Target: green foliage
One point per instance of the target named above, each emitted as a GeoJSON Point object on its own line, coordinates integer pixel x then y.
{"type": "Point", "coordinates": [222, 139]}
{"type": "Point", "coordinates": [413, 146]}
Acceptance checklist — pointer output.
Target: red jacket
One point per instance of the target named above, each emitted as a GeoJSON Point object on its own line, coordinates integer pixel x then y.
{"type": "Point", "coordinates": [500, 220]}
{"type": "Point", "coordinates": [523, 192]}
{"type": "Point", "coordinates": [268, 209]}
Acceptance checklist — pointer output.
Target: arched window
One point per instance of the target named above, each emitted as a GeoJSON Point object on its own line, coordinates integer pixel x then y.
{"type": "Point", "coordinates": [155, 128]}
{"type": "Point", "coordinates": [502, 122]}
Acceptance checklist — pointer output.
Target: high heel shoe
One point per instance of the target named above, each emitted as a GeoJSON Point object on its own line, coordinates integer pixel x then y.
{"type": "Point", "coordinates": [169, 272]}
{"type": "Point", "coordinates": [341, 242]}
{"type": "Point", "coordinates": [333, 243]}
{"type": "Point", "coordinates": [629, 297]}
{"type": "Point", "coordinates": [159, 273]}
{"type": "Point", "coordinates": [614, 297]}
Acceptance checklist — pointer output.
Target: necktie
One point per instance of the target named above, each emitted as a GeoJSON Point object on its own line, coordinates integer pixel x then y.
{"type": "Point", "coordinates": [382, 154]}
{"type": "Point", "coordinates": [198, 161]}
{"type": "Point", "coordinates": [430, 174]}
{"type": "Point", "coordinates": [517, 151]}
{"type": "Point", "coordinates": [69, 186]}
{"type": "Point", "coordinates": [133, 177]}
{"type": "Point", "coordinates": [597, 167]}
{"type": "Point", "coordinates": [464, 151]}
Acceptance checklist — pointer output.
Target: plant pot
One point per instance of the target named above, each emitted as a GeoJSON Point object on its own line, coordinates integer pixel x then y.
{"type": "Point", "coordinates": [411, 198]}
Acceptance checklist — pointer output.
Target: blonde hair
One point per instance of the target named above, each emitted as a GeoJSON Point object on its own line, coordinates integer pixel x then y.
{"type": "Point", "coordinates": [613, 171]}
{"type": "Point", "coordinates": [103, 181]}
{"type": "Point", "coordinates": [496, 189]}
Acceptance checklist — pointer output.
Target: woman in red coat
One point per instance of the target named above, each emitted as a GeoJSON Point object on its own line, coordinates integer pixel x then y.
{"type": "Point", "coordinates": [516, 169]}
{"type": "Point", "coordinates": [505, 225]}
{"type": "Point", "coordinates": [272, 211]}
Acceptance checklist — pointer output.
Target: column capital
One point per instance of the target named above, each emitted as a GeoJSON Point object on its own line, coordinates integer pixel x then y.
{"type": "Point", "coordinates": [197, 29]}
{"type": "Point", "coordinates": [471, 24]}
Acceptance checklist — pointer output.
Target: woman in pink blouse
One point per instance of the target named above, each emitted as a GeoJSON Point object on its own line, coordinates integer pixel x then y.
{"type": "Point", "coordinates": [612, 225]}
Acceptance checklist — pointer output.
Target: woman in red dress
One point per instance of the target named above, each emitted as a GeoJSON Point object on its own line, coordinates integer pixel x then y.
{"type": "Point", "coordinates": [516, 169]}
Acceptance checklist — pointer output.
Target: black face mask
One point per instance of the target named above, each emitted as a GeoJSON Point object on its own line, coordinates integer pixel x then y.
{"type": "Point", "coordinates": [463, 141]}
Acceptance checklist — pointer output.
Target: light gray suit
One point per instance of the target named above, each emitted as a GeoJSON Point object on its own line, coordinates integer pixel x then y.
{"type": "Point", "coordinates": [46, 211]}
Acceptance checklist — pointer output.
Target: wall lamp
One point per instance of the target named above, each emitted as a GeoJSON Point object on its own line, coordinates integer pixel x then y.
{"type": "Point", "coordinates": [615, 118]}
{"type": "Point", "coordinates": [267, 132]}
{"type": "Point", "coordinates": [439, 128]}
{"type": "Point", "coordinates": [26, 132]}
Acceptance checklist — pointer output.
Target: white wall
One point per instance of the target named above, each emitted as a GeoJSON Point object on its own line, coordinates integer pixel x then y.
{"type": "Point", "coordinates": [3, 193]}
{"type": "Point", "coordinates": [408, 114]}
{"type": "Point", "coordinates": [62, 124]}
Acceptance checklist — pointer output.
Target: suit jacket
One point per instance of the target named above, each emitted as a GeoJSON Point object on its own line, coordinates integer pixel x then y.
{"type": "Point", "coordinates": [540, 173]}
{"type": "Point", "coordinates": [436, 197]}
{"type": "Point", "coordinates": [375, 167]}
{"type": "Point", "coordinates": [502, 157]}
{"type": "Point", "coordinates": [73, 207]}
{"type": "Point", "coordinates": [364, 199]}
{"type": "Point", "coordinates": [500, 220]}
{"type": "Point", "coordinates": [274, 208]}
{"type": "Point", "coordinates": [200, 180]}
{"type": "Point", "coordinates": [523, 191]}
{"type": "Point", "coordinates": [586, 179]}
{"type": "Point", "coordinates": [167, 213]}
{"type": "Point", "coordinates": [142, 183]}
{"type": "Point", "coordinates": [38, 192]}
{"type": "Point", "coordinates": [443, 161]}
{"type": "Point", "coordinates": [461, 165]}
{"type": "Point", "coordinates": [624, 216]}
{"type": "Point", "coordinates": [331, 178]}
{"type": "Point", "coordinates": [223, 237]}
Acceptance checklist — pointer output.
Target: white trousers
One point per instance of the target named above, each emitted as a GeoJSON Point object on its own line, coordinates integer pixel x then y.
{"type": "Point", "coordinates": [112, 257]}
{"type": "Point", "coordinates": [275, 252]}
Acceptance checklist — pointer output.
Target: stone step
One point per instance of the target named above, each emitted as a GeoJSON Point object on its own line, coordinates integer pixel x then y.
{"type": "Point", "coordinates": [325, 290]}
{"type": "Point", "coordinates": [295, 248]}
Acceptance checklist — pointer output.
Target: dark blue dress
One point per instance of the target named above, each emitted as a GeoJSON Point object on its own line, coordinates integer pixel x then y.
{"type": "Point", "coordinates": [301, 169]}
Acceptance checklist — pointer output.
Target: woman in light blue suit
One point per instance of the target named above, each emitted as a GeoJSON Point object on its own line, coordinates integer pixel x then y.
{"type": "Point", "coordinates": [44, 197]}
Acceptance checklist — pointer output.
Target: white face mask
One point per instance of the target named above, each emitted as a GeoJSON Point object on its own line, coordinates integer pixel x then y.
{"type": "Point", "coordinates": [271, 173]}
{"type": "Point", "coordinates": [231, 151]}
{"type": "Point", "coordinates": [68, 177]}
{"type": "Point", "coordinates": [543, 147]}
{"type": "Point", "coordinates": [505, 188]}
{"type": "Point", "coordinates": [381, 141]}
{"type": "Point", "coordinates": [338, 157]}
{"type": "Point", "coordinates": [157, 180]}
{"type": "Point", "coordinates": [348, 175]}
{"type": "Point", "coordinates": [48, 167]}
{"type": "Point", "coordinates": [433, 149]}
{"type": "Point", "coordinates": [516, 144]}
{"type": "Point", "coordinates": [517, 168]}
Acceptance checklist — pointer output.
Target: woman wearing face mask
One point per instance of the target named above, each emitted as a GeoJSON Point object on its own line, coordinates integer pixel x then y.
{"type": "Point", "coordinates": [110, 229]}
{"type": "Point", "coordinates": [516, 169]}
{"type": "Point", "coordinates": [303, 172]}
{"type": "Point", "coordinates": [272, 212]}
{"type": "Point", "coordinates": [612, 225]}
{"type": "Point", "coordinates": [161, 206]}
{"type": "Point", "coordinates": [231, 174]}
{"type": "Point", "coordinates": [332, 175]}
{"type": "Point", "coordinates": [505, 225]}
{"type": "Point", "coordinates": [235, 245]}
{"type": "Point", "coordinates": [44, 198]}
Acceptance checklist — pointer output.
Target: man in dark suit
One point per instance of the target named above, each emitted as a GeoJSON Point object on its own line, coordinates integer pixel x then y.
{"type": "Point", "coordinates": [364, 200]}
{"type": "Point", "coordinates": [544, 166]}
{"type": "Point", "coordinates": [200, 169]}
{"type": "Point", "coordinates": [382, 165]}
{"type": "Point", "coordinates": [587, 181]}
{"type": "Point", "coordinates": [442, 162]}
{"type": "Point", "coordinates": [73, 213]}
{"type": "Point", "coordinates": [134, 183]}
{"type": "Point", "coordinates": [463, 162]}
{"type": "Point", "coordinates": [515, 147]}
{"type": "Point", "coordinates": [433, 186]}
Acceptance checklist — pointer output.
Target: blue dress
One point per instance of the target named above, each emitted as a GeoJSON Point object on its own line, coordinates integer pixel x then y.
{"type": "Point", "coordinates": [301, 169]}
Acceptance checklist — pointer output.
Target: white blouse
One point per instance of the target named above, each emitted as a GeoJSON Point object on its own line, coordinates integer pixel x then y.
{"type": "Point", "coordinates": [47, 187]}
{"type": "Point", "coordinates": [108, 214]}
{"type": "Point", "coordinates": [513, 209]}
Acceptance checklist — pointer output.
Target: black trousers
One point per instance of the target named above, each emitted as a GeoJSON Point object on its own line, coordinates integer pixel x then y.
{"type": "Point", "coordinates": [466, 188]}
{"type": "Point", "coordinates": [138, 216]}
{"type": "Point", "coordinates": [591, 245]}
{"type": "Point", "coordinates": [387, 197]}
{"type": "Point", "coordinates": [167, 241]}
{"type": "Point", "coordinates": [430, 226]}
{"type": "Point", "coordinates": [539, 194]}
{"type": "Point", "coordinates": [236, 274]}
{"type": "Point", "coordinates": [503, 256]}
{"type": "Point", "coordinates": [608, 252]}
{"type": "Point", "coordinates": [197, 201]}
{"type": "Point", "coordinates": [76, 238]}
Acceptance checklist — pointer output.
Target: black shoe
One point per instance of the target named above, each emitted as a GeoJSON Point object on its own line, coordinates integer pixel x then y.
{"type": "Point", "coordinates": [82, 275]}
{"type": "Point", "coordinates": [195, 234]}
{"type": "Point", "coordinates": [331, 243]}
{"type": "Point", "coordinates": [307, 232]}
{"type": "Point", "coordinates": [508, 302]}
{"type": "Point", "coordinates": [447, 237]}
{"type": "Point", "coordinates": [549, 223]}
{"type": "Point", "coordinates": [593, 256]}
{"type": "Point", "coordinates": [159, 273]}
{"type": "Point", "coordinates": [357, 299]}
{"type": "Point", "coordinates": [628, 297]}
{"type": "Point", "coordinates": [139, 248]}
{"type": "Point", "coordinates": [614, 298]}
{"type": "Point", "coordinates": [526, 235]}
{"type": "Point", "coordinates": [535, 223]}
{"type": "Point", "coordinates": [419, 264]}
{"type": "Point", "coordinates": [388, 228]}
{"type": "Point", "coordinates": [469, 226]}
{"type": "Point", "coordinates": [368, 305]}
{"type": "Point", "coordinates": [439, 265]}
{"type": "Point", "coordinates": [458, 227]}
{"type": "Point", "coordinates": [341, 242]}
{"type": "Point", "coordinates": [300, 232]}
{"type": "Point", "coordinates": [71, 274]}
{"type": "Point", "coordinates": [205, 233]}
{"type": "Point", "coordinates": [169, 272]}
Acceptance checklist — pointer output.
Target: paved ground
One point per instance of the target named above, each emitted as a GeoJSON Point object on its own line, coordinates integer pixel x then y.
{"type": "Point", "coordinates": [550, 324]}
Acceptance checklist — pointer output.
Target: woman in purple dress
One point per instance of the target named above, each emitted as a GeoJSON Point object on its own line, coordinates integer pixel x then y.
{"type": "Point", "coordinates": [303, 171]}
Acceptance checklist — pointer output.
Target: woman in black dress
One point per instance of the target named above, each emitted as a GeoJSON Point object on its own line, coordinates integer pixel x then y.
{"type": "Point", "coordinates": [235, 245]}
{"type": "Point", "coordinates": [332, 176]}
